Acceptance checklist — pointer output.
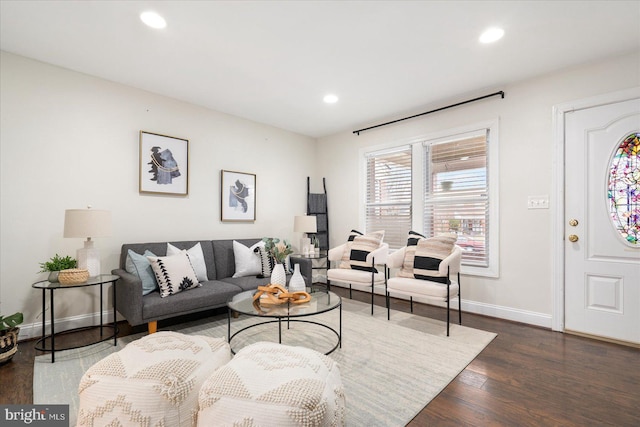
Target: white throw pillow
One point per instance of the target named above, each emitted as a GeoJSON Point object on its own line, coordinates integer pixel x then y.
{"type": "Point", "coordinates": [247, 261]}
{"type": "Point", "coordinates": [174, 273]}
{"type": "Point", "coordinates": [195, 256]}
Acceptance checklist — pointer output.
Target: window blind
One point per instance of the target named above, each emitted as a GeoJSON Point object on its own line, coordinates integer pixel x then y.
{"type": "Point", "coordinates": [388, 194]}
{"type": "Point", "coordinates": [456, 194]}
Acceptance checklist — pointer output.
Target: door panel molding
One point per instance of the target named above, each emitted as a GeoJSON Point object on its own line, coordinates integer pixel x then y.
{"type": "Point", "coordinates": [558, 194]}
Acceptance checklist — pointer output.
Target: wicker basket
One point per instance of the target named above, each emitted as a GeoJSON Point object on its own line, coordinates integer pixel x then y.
{"type": "Point", "coordinates": [8, 344]}
{"type": "Point", "coordinates": [73, 276]}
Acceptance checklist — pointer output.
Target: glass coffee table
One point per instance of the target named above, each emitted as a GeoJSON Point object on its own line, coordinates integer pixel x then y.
{"type": "Point", "coordinates": [321, 302]}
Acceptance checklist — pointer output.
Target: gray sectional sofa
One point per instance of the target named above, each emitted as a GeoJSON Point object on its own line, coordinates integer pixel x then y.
{"type": "Point", "coordinates": [214, 293]}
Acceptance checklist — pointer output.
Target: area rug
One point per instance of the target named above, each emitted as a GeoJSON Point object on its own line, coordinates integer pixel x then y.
{"type": "Point", "coordinates": [390, 369]}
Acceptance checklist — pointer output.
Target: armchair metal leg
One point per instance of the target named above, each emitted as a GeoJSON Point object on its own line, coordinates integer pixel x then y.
{"type": "Point", "coordinates": [373, 281]}
{"type": "Point", "coordinates": [388, 305]}
{"type": "Point", "coordinates": [448, 298]}
{"type": "Point", "coordinates": [459, 302]}
{"type": "Point", "coordinates": [411, 303]}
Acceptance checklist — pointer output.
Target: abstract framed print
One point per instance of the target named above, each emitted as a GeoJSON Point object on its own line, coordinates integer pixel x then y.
{"type": "Point", "coordinates": [237, 196]}
{"type": "Point", "coordinates": [164, 164]}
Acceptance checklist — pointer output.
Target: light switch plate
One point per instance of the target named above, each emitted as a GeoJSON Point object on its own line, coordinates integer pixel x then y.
{"type": "Point", "coordinates": [538, 202]}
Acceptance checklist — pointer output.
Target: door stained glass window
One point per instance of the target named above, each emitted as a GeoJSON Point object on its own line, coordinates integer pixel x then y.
{"type": "Point", "coordinates": [623, 191]}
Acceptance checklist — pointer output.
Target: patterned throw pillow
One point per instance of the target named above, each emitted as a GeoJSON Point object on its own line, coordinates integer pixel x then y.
{"type": "Point", "coordinates": [409, 253]}
{"type": "Point", "coordinates": [266, 262]}
{"type": "Point", "coordinates": [346, 255]}
{"type": "Point", "coordinates": [427, 255]}
{"type": "Point", "coordinates": [359, 246]}
{"type": "Point", "coordinates": [174, 273]}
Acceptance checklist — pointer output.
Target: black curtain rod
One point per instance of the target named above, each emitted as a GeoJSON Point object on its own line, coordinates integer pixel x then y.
{"type": "Point", "coordinates": [501, 93]}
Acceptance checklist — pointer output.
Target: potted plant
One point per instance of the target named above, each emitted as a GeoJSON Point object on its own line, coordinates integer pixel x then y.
{"type": "Point", "coordinates": [9, 335]}
{"type": "Point", "coordinates": [55, 265]}
{"type": "Point", "coordinates": [278, 251]}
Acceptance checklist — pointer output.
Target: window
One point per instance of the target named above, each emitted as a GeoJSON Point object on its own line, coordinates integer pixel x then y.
{"type": "Point", "coordinates": [623, 190]}
{"type": "Point", "coordinates": [388, 194]}
{"type": "Point", "coordinates": [452, 187]}
{"type": "Point", "coordinates": [456, 193]}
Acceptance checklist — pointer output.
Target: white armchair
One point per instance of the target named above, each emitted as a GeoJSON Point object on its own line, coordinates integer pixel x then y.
{"type": "Point", "coordinates": [432, 290]}
{"type": "Point", "coordinates": [371, 279]}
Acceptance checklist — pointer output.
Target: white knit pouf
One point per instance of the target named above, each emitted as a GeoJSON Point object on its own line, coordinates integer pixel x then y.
{"type": "Point", "coordinates": [153, 381]}
{"type": "Point", "coordinates": [268, 384]}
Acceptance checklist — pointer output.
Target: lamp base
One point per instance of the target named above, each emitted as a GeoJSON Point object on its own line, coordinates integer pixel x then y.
{"type": "Point", "coordinates": [89, 258]}
{"type": "Point", "coordinates": [305, 243]}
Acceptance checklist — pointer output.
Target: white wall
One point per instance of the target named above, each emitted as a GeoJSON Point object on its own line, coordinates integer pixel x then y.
{"type": "Point", "coordinates": [523, 291]}
{"type": "Point", "coordinates": [69, 139]}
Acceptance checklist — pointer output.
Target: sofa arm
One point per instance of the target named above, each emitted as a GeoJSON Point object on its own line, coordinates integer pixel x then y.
{"type": "Point", "coordinates": [129, 296]}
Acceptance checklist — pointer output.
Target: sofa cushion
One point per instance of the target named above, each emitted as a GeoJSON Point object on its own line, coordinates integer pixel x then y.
{"type": "Point", "coordinates": [141, 266]}
{"type": "Point", "coordinates": [211, 294]}
{"type": "Point", "coordinates": [174, 273]}
{"type": "Point", "coordinates": [248, 283]}
{"type": "Point", "coordinates": [196, 256]}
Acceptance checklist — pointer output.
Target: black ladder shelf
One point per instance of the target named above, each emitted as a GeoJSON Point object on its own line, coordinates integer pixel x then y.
{"type": "Point", "coordinates": [317, 206]}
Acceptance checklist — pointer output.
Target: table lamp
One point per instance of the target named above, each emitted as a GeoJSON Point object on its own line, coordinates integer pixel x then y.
{"type": "Point", "coordinates": [305, 224]}
{"type": "Point", "coordinates": [87, 223]}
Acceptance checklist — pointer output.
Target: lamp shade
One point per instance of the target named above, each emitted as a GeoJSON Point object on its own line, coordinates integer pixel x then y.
{"type": "Point", "coordinates": [305, 224]}
{"type": "Point", "coordinates": [87, 223]}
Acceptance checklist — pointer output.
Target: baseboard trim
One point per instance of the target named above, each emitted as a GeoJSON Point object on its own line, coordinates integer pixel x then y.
{"type": "Point", "coordinates": [491, 310]}
{"type": "Point", "coordinates": [34, 330]}
{"type": "Point", "coordinates": [508, 313]}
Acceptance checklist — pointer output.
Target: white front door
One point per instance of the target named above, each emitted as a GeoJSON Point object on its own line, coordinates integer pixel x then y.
{"type": "Point", "coordinates": [602, 268]}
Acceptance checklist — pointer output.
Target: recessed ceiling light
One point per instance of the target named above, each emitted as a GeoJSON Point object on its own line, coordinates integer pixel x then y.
{"type": "Point", "coordinates": [330, 98]}
{"type": "Point", "coordinates": [153, 20]}
{"type": "Point", "coordinates": [491, 35]}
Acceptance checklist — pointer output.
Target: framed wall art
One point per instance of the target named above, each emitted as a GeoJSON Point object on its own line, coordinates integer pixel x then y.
{"type": "Point", "coordinates": [164, 164]}
{"type": "Point", "coordinates": [238, 196]}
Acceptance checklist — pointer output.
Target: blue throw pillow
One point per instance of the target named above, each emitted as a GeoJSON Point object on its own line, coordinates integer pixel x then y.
{"type": "Point", "coordinates": [140, 266]}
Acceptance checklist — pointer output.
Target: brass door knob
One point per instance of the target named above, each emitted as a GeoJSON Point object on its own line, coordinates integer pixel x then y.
{"type": "Point", "coordinates": [573, 222]}
{"type": "Point", "coordinates": [573, 238]}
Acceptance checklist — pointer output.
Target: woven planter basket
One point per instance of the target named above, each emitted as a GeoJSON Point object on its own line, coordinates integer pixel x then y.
{"type": "Point", "coordinates": [73, 276]}
{"type": "Point", "coordinates": [8, 344]}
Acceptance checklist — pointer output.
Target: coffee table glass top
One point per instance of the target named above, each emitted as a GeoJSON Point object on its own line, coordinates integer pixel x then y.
{"type": "Point", "coordinates": [320, 302]}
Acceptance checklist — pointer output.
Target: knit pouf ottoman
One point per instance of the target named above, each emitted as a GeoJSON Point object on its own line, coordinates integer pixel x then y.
{"type": "Point", "coordinates": [153, 381]}
{"type": "Point", "coordinates": [269, 384]}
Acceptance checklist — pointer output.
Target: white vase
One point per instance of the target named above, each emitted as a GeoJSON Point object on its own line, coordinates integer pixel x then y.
{"type": "Point", "coordinates": [296, 283]}
{"type": "Point", "coordinates": [278, 276]}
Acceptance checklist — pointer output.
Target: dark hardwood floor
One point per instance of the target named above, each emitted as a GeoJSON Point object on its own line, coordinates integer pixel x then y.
{"type": "Point", "coordinates": [527, 376]}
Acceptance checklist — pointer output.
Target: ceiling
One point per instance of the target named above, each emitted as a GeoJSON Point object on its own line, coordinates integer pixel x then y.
{"type": "Point", "coordinates": [273, 61]}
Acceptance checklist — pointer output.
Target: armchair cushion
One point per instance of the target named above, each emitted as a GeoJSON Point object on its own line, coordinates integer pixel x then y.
{"type": "Point", "coordinates": [424, 288]}
{"type": "Point", "coordinates": [422, 260]}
